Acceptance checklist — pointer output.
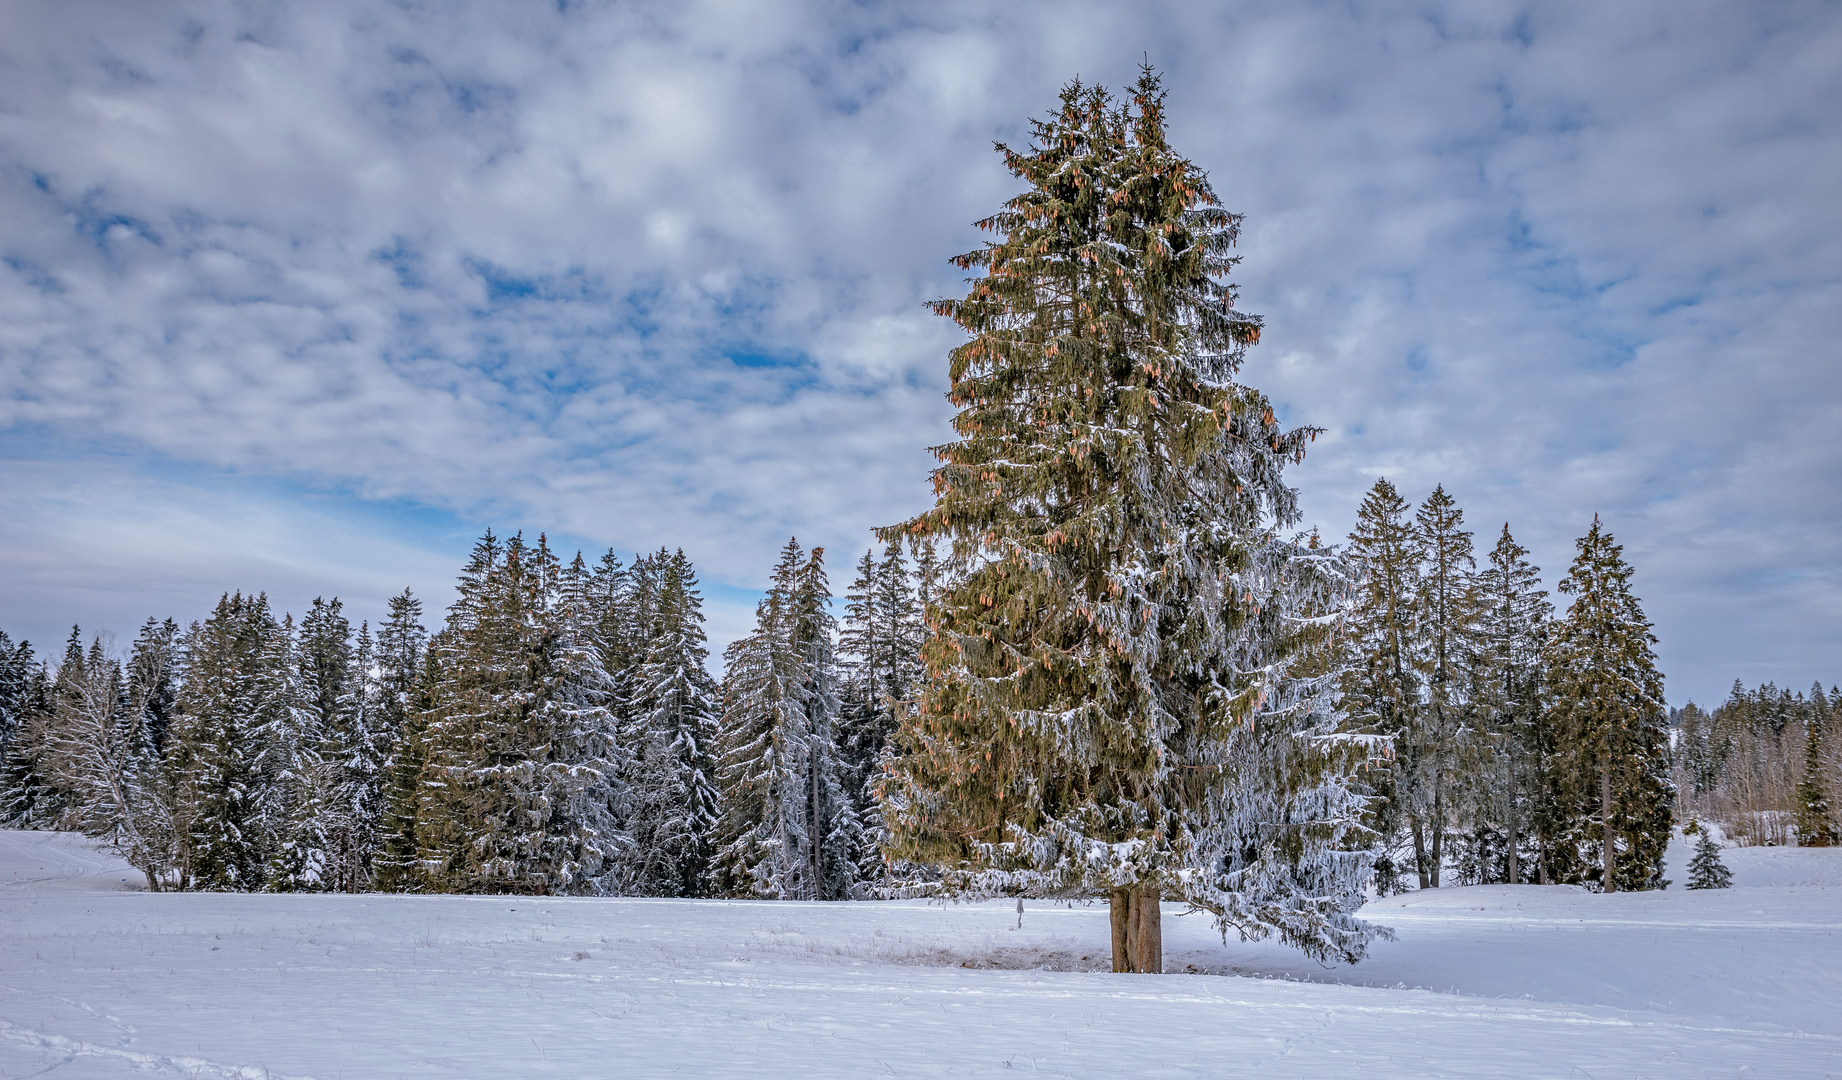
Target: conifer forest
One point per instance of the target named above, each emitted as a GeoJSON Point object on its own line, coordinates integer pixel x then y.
{"type": "Point", "coordinates": [1109, 663]}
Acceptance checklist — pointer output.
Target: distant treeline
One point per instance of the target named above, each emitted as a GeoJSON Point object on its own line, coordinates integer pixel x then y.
{"type": "Point", "coordinates": [558, 734]}
{"type": "Point", "coordinates": [1765, 764]}
{"type": "Point", "coordinates": [1525, 744]}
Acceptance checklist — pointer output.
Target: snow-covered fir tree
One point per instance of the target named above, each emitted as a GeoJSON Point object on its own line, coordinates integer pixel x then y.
{"type": "Point", "coordinates": [27, 798]}
{"type": "Point", "coordinates": [675, 800]}
{"type": "Point", "coordinates": [1381, 680]}
{"type": "Point", "coordinates": [831, 813]}
{"type": "Point", "coordinates": [1706, 871]}
{"type": "Point", "coordinates": [220, 748]}
{"type": "Point", "coordinates": [401, 701]}
{"type": "Point", "coordinates": [880, 641]}
{"type": "Point", "coordinates": [16, 668]}
{"type": "Point", "coordinates": [1816, 825]}
{"type": "Point", "coordinates": [332, 758]}
{"type": "Point", "coordinates": [521, 787]}
{"type": "Point", "coordinates": [1607, 710]}
{"type": "Point", "coordinates": [789, 829]}
{"type": "Point", "coordinates": [299, 778]}
{"type": "Point", "coordinates": [762, 730]}
{"type": "Point", "coordinates": [153, 679]}
{"type": "Point", "coordinates": [1123, 697]}
{"type": "Point", "coordinates": [1446, 618]}
{"type": "Point", "coordinates": [1513, 611]}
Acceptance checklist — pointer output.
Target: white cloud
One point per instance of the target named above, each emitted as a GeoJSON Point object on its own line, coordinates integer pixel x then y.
{"type": "Point", "coordinates": [655, 274]}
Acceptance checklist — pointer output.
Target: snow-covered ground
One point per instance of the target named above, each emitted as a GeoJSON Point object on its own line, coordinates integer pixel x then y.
{"type": "Point", "coordinates": [99, 979]}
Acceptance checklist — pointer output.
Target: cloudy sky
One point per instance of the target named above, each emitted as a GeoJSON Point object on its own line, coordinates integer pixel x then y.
{"type": "Point", "coordinates": [300, 297]}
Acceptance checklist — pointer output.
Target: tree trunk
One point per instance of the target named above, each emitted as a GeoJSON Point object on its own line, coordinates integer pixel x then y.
{"type": "Point", "coordinates": [1138, 929]}
{"type": "Point", "coordinates": [1419, 854]}
{"type": "Point", "coordinates": [1605, 813]}
{"type": "Point", "coordinates": [1120, 900]}
{"type": "Point", "coordinates": [1515, 870]}
{"type": "Point", "coordinates": [1148, 948]}
{"type": "Point", "coordinates": [1511, 870]}
{"type": "Point", "coordinates": [1438, 827]}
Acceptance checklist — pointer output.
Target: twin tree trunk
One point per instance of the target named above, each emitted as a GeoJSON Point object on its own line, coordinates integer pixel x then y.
{"type": "Point", "coordinates": [1138, 930]}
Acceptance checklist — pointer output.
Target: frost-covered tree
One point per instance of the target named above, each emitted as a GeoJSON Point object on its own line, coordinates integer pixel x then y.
{"type": "Point", "coordinates": [299, 780]}
{"type": "Point", "coordinates": [102, 758]}
{"type": "Point", "coordinates": [836, 832]}
{"type": "Point", "coordinates": [153, 679]}
{"type": "Point", "coordinates": [880, 639]}
{"type": "Point", "coordinates": [1513, 611]}
{"type": "Point", "coordinates": [1606, 708]}
{"type": "Point", "coordinates": [520, 788]}
{"type": "Point", "coordinates": [16, 668]}
{"type": "Point", "coordinates": [401, 696]}
{"type": "Point", "coordinates": [331, 759]}
{"type": "Point", "coordinates": [27, 798]}
{"type": "Point", "coordinates": [1816, 825]}
{"type": "Point", "coordinates": [1447, 622]}
{"type": "Point", "coordinates": [762, 735]}
{"type": "Point", "coordinates": [221, 747]}
{"type": "Point", "coordinates": [675, 796]}
{"type": "Point", "coordinates": [1118, 701]}
{"type": "Point", "coordinates": [1381, 680]}
{"type": "Point", "coordinates": [789, 828]}
{"type": "Point", "coordinates": [1706, 871]}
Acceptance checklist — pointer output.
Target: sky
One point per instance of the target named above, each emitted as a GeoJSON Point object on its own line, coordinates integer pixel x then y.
{"type": "Point", "coordinates": [301, 298]}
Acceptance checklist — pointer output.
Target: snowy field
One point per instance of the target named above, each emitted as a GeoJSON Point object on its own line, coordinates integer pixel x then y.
{"type": "Point", "coordinates": [100, 980]}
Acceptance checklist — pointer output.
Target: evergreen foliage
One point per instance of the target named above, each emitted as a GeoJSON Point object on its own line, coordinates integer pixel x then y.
{"type": "Point", "coordinates": [1447, 618]}
{"type": "Point", "coordinates": [401, 701]}
{"type": "Point", "coordinates": [1816, 825]}
{"type": "Point", "coordinates": [1766, 764]}
{"type": "Point", "coordinates": [1381, 681]}
{"type": "Point", "coordinates": [520, 789]}
{"type": "Point", "coordinates": [881, 640]}
{"type": "Point", "coordinates": [675, 797]}
{"type": "Point", "coordinates": [233, 702]}
{"type": "Point", "coordinates": [789, 829]}
{"type": "Point", "coordinates": [27, 800]}
{"type": "Point", "coordinates": [1507, 696]}
{"type": "Point", "coordinates": [1706, 871]}
{"type": "Point", "coordinates": [1608, 714]}
{"type": "Point", "coordinates": [1117, 611]}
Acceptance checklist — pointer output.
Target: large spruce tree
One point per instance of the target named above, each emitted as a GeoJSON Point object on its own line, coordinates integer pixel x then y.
{"type": "Point", "coordinates": [234, 698]}
{"type": "Point", "coordinates": [1381, 679]}
{"type": "Point", "coordinates": [1608, 713]}
{"type": "Point", "coordinates": [1447, 642]}
{"type": "Point", "coordinates": [675, 796]}
{"type": "Point", "coordinates": [881, 638]}
{"type": "Point", "coordinates": [1816, 825]}
{"type": "Point", "coordinates": [521, 786]}
{"type": "Point", "coordinates": [1513, 611]}
{"type": "Point", "coordinates": [789, 829]}
{"type": "Point", "coordinates": [1109, 656]}
{"type": "Point", "coordinates": [402, 700]}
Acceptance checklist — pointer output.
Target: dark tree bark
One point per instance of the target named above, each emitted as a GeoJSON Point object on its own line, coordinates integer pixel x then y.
{"type": "Point", "coordinates": [1138, 929]}
{"type": "Point", "coordinates": [1419, 855]}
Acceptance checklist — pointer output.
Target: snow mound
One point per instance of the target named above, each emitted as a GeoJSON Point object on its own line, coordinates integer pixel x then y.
{"type": "Point", "coordinates": [61, 862]}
